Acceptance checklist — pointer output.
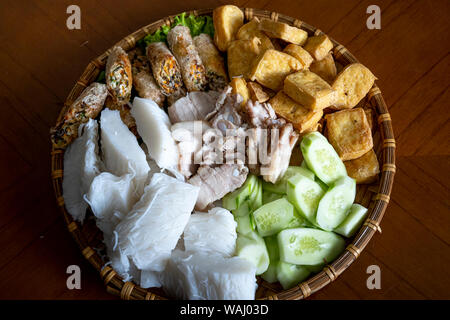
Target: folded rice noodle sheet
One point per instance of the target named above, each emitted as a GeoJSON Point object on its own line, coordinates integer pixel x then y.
{"type": "Point", "coordinates": [150, 279]}
{"type": "Point", "coordinates": [111, 197]}
{"type": "Point", "coordinates": [202, 276]}
{"type": "Point", "coordinates": [152, 229]}
{"type": "Point", "coordinates": [81, 165]}
{"type": "Point", "coordinates": [121, 151]}
{"type": "Point", "coordinates": [213, 232]}
{"type": "Point", "coordinates": [153, 125]}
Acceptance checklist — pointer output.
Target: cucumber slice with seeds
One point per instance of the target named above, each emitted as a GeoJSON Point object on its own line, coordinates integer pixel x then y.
{"type": "Point", "coordinates": [305, 194]}
{"type": "Point", "coordinates": [290, 275]}
{"type": "Point", "coordinates": [305, 246]}
{"type": "Point", "coordinates": [353, 221]}
{"type": "Point", "coordinates": [321, 158]}
{"type": "Point", "coordinates": [336, 203]}
{"type": "Point", "coordinates": [273, 217]}
{"type": "Point", "coordinates": [268, 196]}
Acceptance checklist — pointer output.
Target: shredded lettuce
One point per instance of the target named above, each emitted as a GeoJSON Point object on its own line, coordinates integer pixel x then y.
{"type": "Point", "coordinates": [101, 77]}
{"type": "Point", "coordinates": [197, 25]}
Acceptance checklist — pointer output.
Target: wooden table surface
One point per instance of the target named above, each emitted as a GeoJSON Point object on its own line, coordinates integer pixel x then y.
{"type": "Point", "coordinates": [41, 60]}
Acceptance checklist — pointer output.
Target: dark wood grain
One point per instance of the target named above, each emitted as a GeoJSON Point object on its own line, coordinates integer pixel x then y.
{"type": "Point", "coordinates": [41, 60]}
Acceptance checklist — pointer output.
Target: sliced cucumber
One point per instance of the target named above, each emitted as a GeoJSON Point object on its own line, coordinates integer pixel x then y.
{"type": "Point", "coordinates": [268, 196]}
{"type": "Point", "coordinates": [234, 199]}
{"type": "Point", "coordinates": [256, 196]}
{"type": "Point", "coordinates": [243, 210]}
{"type": "Point", "coordinates": [322, 184]}
{"type": "Point", "coordinates": [290, 275]}
{"type": "Point", "coordinates": [305, 246]}
{"type": "Point", "coordinates": [321, 158]}
{"type": "Point", "coordinates": [353, 221]}
{"type": "Point", "coordinates": [271, 273]}
{"type": "Point", "coordinates": [298, 221]}
{"type": "Point", "coordinates": [305, 194]}
{"type": "Point", "coordinates": [280, 186]}
{"type": "Point", "coordinates": [273, 217]}
{"type": "Point", "coordinates": [253, 248]}
{"type": "Point", "coordinates": [272, 248]}
{"type": "Point", "coordinates": [244, 225]}
{"type": "Point", "coordinates": [336, 203]}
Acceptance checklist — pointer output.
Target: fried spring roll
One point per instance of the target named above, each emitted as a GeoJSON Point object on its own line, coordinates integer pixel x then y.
{"type": "Point", "coordinates": [182, 47]}
{"type": "Point", "coordinates": [216, 74]}
{"type": "Point", "coordinates": [143, 80]}
{"type": "Point", "coordinates": [165, 68]}
{"type": "Point", "coordinates": [86, 106]}
{"type": "Point", "coordinates": [119, 79]}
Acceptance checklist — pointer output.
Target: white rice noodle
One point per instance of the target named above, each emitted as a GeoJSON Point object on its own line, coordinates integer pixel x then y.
{"type": "Point", "coordinates": [153, 125]}
{"type": "Point", "coordinates": [151, 230]}
{"type": "Point", "coordinates": [121, 150]}
{"type": "Point", "coordinates": [81, 165]}
{"type": "Point", "coordinates": [214, 232]}
{"type": "Point", "coordinates": [205, 276]}
{"type": "Point", "coordinates": [150, 279]}
{"type": "Point", "coordinates": [111, 197]}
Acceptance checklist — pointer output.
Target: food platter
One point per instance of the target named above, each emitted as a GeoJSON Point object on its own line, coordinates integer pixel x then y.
{"type": "Point", "coordinates": [374, 196]}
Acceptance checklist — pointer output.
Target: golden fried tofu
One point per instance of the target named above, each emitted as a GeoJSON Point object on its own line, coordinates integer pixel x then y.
{"type": "Point", "coordinates": [227, 21]}
{"type": "Point", "coordinates": [241, 55]}
{"type": "Point", "coordinates": [250, 30]}
{"type": "Point", "coordinates": [271, 67]}
{"type": "Point", "coordinates": [364, 169]}
{"type": "Point", "coordinates": [308, 89]}
{"type": "Point", "coordinates": [239, 86]}
{"type": "Point", "coordinates": [325, 68]}
{"type": "Point", "coordinates": [349, 133]}
{"type": "Point", "coordinates": [369, 116]}
{"type": "Point", "coordinates": [283, 31]}
{"type": "Point", "coordinates": [318, 46]}
{"type": "Point", "coordinates": [303, 119]}
{"type": "Point", "coordinates": [351, 85]}
{"type": "Point", "coordinates": [257, 93]}
{"type": "Point", "coordinates": [300, 54]}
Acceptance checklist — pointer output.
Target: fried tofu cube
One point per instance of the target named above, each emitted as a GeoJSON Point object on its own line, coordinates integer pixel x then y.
{"type": "Point", "coordinates": [308, 89]}
{"type": "Point", "coordinates": [351, 85]}
{"type": "Point", "coordinates": [318, 46]}
{"type": "Point", "coordinates": [303, 119]}
{"type": "Point", "coordinates": [283, 31]}
{"type": "Point", "coordinates": [257, 93]}
{"type": "Point", "coordinates": [271, 67]}
{"type": "Point", "coordinates": [325, 68]}
{"type": "Point", "coordinates": [369, 116]}
{"type": "Point", "coordinates": [241, 55]}
{"type": "Point", "coordinates": [364, 169]}
{"type": "Point", "coordinates": [227, 21]}
{"type": "Point", "coordinates": [250, 30]}
{"type": "Point", "coordinates": [300, 54]}
{"type": "Point", "coordinates": [239, 86]}
{"type": "Point", "coordinates": [349, 133]}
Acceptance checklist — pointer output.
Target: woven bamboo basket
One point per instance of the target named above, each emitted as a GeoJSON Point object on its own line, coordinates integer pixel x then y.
{"type": "Point", "coordinates": [375, 196]}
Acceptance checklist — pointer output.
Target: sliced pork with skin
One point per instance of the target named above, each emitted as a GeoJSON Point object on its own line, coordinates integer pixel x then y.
{"type": "Point", "coordinates": [194, 106]}
{"type": "Point", "coordinates": [273, 138]}
{"type": "Point", "coordinates": [189, 135]}
{"type": "Point", "coordinates": [216, 182]}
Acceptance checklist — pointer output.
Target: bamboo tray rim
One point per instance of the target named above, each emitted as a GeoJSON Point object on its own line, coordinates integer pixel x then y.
{"type": "Point", "coordinates": [378, 204]}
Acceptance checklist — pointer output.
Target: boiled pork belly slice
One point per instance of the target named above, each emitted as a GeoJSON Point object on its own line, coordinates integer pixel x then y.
{"type": "Point", "coordinates": [213, 231]}
{"type": "Point", "coordinates": [195, 105]}
{"type": "Point", "coordinates": [81, 165]}
{"type": "Point", "coordinates": [208, 276]}
{"type": "Point", "coordinates": [189, 138]}
{"type": "Point", "coordinates": [149, 233]}
{"type": "Point", "coordinates": [153, 125]}
{"type": "Point", "coordinates": [216, 182]}
{"type": "Point", "coordinates": [121, 151]}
